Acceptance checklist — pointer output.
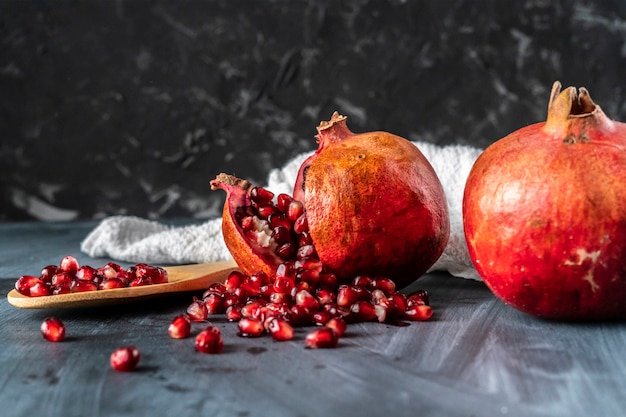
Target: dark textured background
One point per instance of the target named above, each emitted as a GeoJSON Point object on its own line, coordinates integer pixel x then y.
{"type": "Point", "coordinates": [131, 107]}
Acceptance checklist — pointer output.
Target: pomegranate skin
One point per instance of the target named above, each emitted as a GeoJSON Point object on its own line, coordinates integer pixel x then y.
{"type": "Point", "coordinates": [374, 204]}
{"type": "Point", "coordinates": [544, 213]}
{"type": "Point", "coordinates": [249, 259]}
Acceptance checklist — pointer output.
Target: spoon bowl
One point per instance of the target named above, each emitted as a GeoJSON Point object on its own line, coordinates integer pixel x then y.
{"type": "Point", "coordinates": [182, 278]}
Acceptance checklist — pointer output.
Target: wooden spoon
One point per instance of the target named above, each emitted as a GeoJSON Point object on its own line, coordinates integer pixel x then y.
{"type": "Point", "coordinates": [181, 278]}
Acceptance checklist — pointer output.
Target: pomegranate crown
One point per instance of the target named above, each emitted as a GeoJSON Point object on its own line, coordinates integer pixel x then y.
{"type": "Point", "coordinates": [569, 104]}
{"type": "Point", "coordinates": [333, 130]}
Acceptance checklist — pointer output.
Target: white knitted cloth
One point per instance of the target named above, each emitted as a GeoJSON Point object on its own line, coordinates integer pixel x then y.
{"type": "Point", "coordinates": [133, 239]}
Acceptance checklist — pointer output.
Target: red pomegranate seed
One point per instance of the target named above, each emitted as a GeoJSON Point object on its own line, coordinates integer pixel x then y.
{"type": "Point", "coordinates": [418, 312]}
{"type": "Point", "coordinates": [197, 310]}
{"type": "Point", "coordinates": [301, 224]}
{"type": "Point", "coordinates": [215, 303]}
{"type": "Point", "coordinates": [159, 275]}
{"type": "Point", "coordinates": [306, 300]}
{"type": "Point", "coordinates": [349, 294]}
{"type": "Point", "coordinates": [249, 327]}
{"type": "Point", "coordinates": [399, 301]}
{"type": "Point", "coordinates": [233, 313]}
{"type": "Point", "coordinates": [259, 279]}
{"type": "Point", "coordinates": [69, 264]}
{"type": "Point", "coordinates": [61, 289]}
{"type": "Point", "coordinates": [299, 315]}
{"type": "Point", "coordinates": [283, 284]}
{"type": "Point", "coordinates": [295, 210]}
{"type": "Point", "coordinates": [210, 340]}
{"type": "Point", "coordinates": [385, 284]}
{"type": "Point", "coordinates": [252, 309]}
{"type": "Point", "coordinates": [306, 252]}
{"type": "Point", "coordinates": [261, 196]}
{"type": "Point", "coordinates": [310, 276]}
{"type": "Point", "coordinates": [86, 273]}
{"type": "Point", "coordinates": [286, 250]}
{"type": "Point", "coordinates": [53, 329]}
{"type": "Point", "coordinates": [40, 289]}
{"type": "Point", "coordinates": [234, 281]}
{"type": "Point", "coordinates": [304, 239]}
{"type": "Point", "coordinates": [320, 318]}
{"type": "Point", "coordinates": [108, 271]}
{"type": "Point", "coordinates": [324, 337]}
{"type": "Point", "coordinates": [338, 324]}
{"type": "Point", "coordinates": [362, 281]}
{"type": "Point", "coordinates": [277, 219]}
{"type": "Point", "coordinates": [283, 201]}
{"type": "Point", "coordinates": [111, 283]}
{"type": "Point", "coordinates": [281, 235]}
{"type": "Point", "coordinates": [61, 278]}
{"type": "Point", "coordinates": [83, 286]}
{"type": "Point", "coordinates": [362, 311]}
{"type": "Point", "coordinates": [47, 272]}
{"type": "Point", "coordinates": [264, 212]}
{"type": "Point", "coordinates": [280, 329]}
{"type": "Point", "coordinates": [215, 288]}
{"type": "Point", "coordinates": [25, 283]}
{"type": "Point", "coordinates": [328, 280]}
{"type": "Point", "coordinates": [325, 295]}
{"type": "Point", "coordinates": [419, 297]}
{"type": "Point", "coordinates": [125, 359]}
{"type": "Point", "coordinates": [180, 327]}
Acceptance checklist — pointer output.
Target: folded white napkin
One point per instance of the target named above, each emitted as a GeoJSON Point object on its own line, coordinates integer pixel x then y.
{"type": "Point", "coordinates": [133, 239]}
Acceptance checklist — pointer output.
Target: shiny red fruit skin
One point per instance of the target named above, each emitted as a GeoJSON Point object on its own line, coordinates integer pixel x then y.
{"type": "Point", "coordinates": [545, 214]}
{"type": "Point", "coordinates": [374, 204]}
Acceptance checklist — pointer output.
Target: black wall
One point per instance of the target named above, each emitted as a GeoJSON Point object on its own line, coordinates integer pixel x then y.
{"type": "Point", "coordinates": [131, 107]}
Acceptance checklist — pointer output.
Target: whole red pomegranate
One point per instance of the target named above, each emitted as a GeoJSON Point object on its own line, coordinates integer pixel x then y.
{"type": "Point", "coordinates": [544, 213]}
{"type": "Point", "coordinates": [363, 204]}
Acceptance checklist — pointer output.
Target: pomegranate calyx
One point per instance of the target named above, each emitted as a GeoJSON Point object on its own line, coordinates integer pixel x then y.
{"type": "Point", "coordinates": [332, 131]}
{"type": "Point", "coordinates": [568, 105]}
{"type": "Point", "coordinates": [230, 180]}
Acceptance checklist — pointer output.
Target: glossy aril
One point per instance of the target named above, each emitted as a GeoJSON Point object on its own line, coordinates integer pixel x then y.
{"type": "Point", "coordinates": [125, 359]}
{"type": "Point", "coordinates": [53, 329]}
{"type": "Point", "coordinates": [323, 337]}
{"type": "Point", "coordinates": [210, 340]}
{"type": "Point", "coordinates": [545, 213]}
{"type": "Point", "coordinates": [180, 327]}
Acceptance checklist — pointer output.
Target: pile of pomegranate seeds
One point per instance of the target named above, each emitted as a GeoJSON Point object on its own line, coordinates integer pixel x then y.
{"type": "Point", "coordinates": [69, 277]}
{"type": "Point", "coordinates": [301, 292]}
{"type": "Point", "coordinates": [299, 295]}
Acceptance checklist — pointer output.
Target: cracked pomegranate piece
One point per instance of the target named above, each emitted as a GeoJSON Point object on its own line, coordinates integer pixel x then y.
{"type": "Point", "coordinates": [53, 329]}
{"type": "Point", "coordinates": [125, 359]}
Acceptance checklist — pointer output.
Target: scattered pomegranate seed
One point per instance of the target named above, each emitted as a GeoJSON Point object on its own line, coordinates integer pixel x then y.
{"type": "Point", "coordinates": [180, 327]}
{"type": "Point", "coordinates": [338, 324]}
{"type": "Point", "coordinates": [249, 327]}
{"type": "Point", "coordinates": [53, 329]}
{"type": "Point", "coordinates": [210, 340]}
{"type": "Point", "coordinates": [419, 312]}
{"type": "Point", "coordinates": [324, 337]}
{"type": "Point", "coordinates": [125, 359]}
{"type": "Point", "coordinates": [280, 329]}
{"type": "Point", "coordinates": [197, 310]}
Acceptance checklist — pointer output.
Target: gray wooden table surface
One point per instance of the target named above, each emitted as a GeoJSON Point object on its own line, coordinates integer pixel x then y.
{"type": "Point", "coordinates": [476, 357]}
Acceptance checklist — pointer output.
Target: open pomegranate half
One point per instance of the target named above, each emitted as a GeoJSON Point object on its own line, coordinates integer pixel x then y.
{"type": "Point", "coordinates": [363, 204]}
